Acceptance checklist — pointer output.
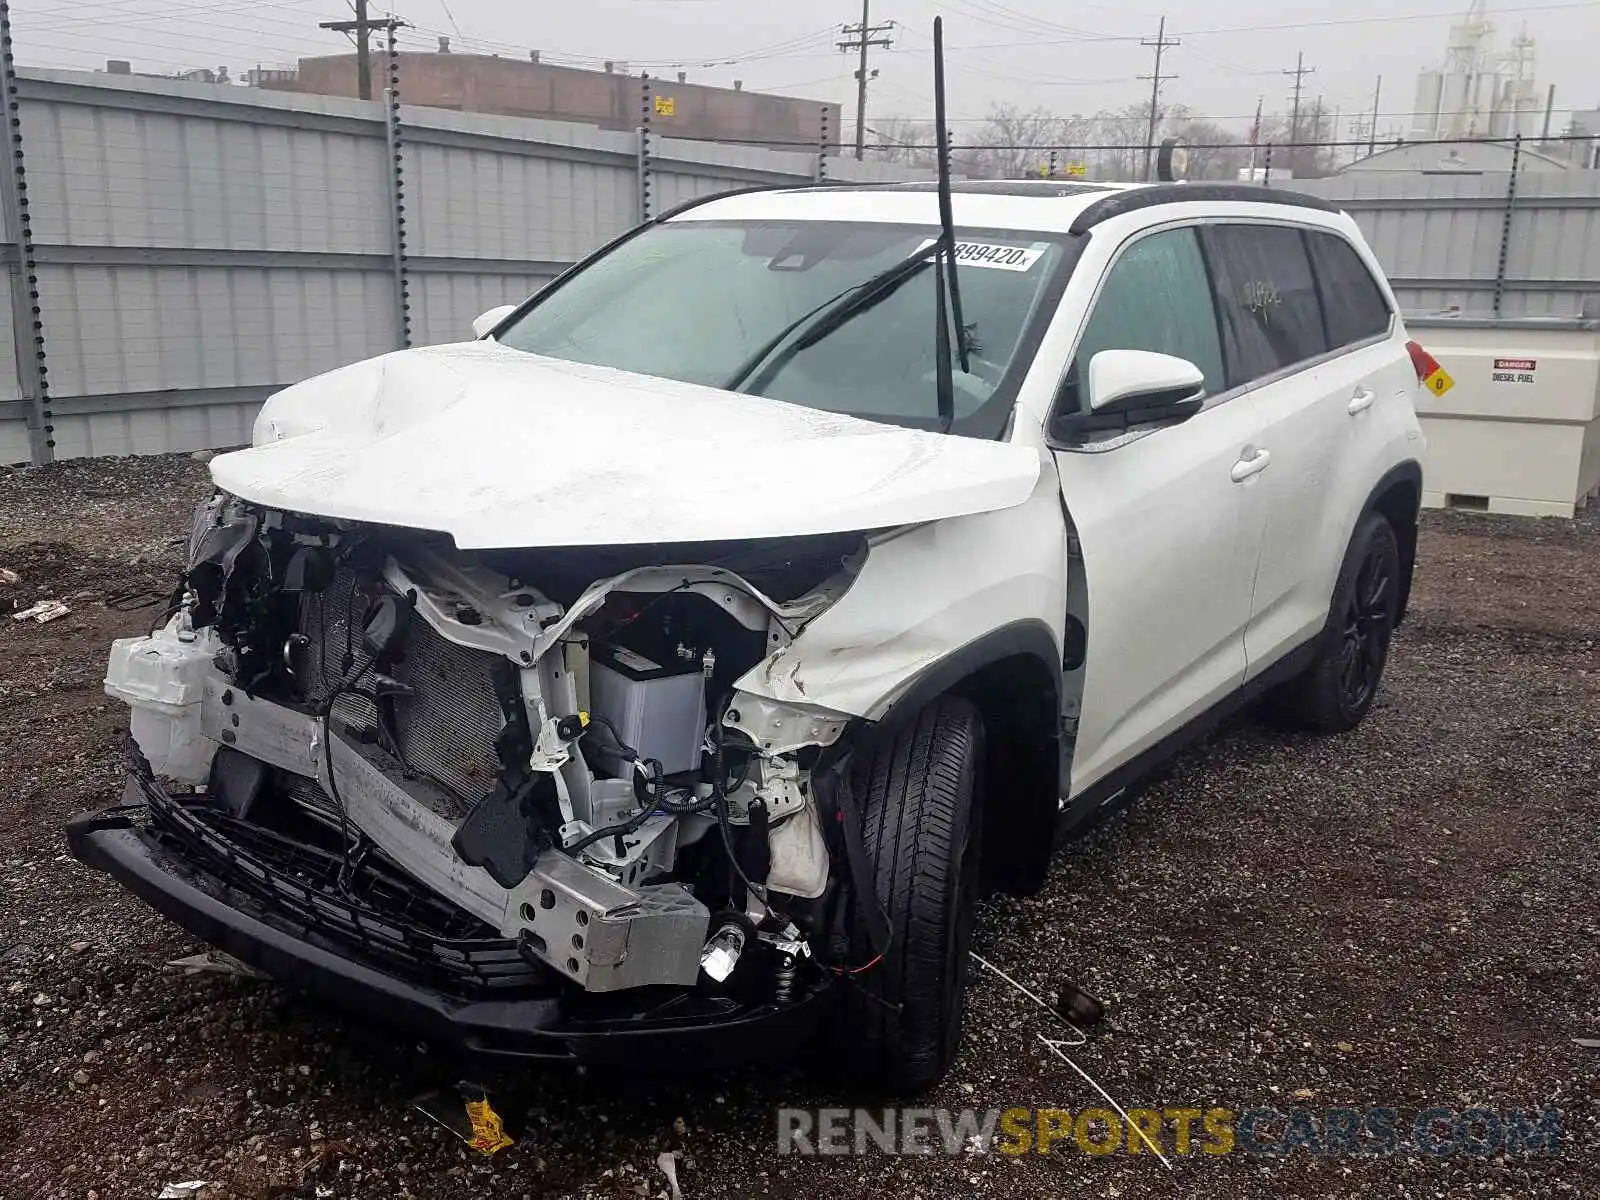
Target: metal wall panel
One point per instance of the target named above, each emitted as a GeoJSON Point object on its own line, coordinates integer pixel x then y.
{"type": "Point", "coordinates": [100, 176]}
{"type": "Point", "coordinates": [443, 306]}
{"type": "Point", "coordinates": [475, 203]}
{"type": "Point", "coordinates": [10, 388]}
{"type": "Point", "coordinates": [153, 430]}
{"type": "Point", "coordinates": [1439, 237]}
{"type": "Point", "coordinates": [201, 246]}
{"type": "Point", "coordinates": [137, 328]}
{"type": "Point", "coordinates": [673, 188]}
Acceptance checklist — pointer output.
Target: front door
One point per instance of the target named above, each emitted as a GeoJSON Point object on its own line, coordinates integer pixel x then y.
{"type": "Point", "coordinates": [1167, 520]}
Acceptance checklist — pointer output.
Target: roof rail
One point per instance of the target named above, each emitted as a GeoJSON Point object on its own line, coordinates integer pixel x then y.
{"type": "Point", "coordinates": [1133, 199]}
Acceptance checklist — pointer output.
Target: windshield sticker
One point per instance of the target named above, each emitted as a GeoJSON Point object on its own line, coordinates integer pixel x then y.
{"type": "Point", "coordinates": [996, 257]}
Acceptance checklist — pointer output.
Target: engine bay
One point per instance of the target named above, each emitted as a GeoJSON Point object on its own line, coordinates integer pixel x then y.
{"type": "Point", "coordinates": [552, 741]}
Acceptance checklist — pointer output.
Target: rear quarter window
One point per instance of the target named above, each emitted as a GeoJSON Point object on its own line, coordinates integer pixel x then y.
{"type": "Point", "coordinates": [1352, 302]}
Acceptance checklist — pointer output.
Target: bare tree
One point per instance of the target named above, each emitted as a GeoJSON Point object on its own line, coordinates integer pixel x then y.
{"type": "Point", "coordinates": [1214, 152]}
{"type": "Point", "coordinates": [1013, 143]}
{"type": "Point", "coordinates": [1311, 158]}
{"type": "Point", "coordinates": [903, 140]}
{"type": "Point", "coordinates": [1118, 138]}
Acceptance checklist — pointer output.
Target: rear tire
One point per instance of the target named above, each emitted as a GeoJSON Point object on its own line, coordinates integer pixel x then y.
{"type": "Point", "coordinates": [919, 794]}
{"type": "Point", "coordinates": [1334, 693]}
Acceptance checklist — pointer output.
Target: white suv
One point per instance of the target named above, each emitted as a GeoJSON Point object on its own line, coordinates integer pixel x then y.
{"type": "Point", "coordinates": [645, 677]}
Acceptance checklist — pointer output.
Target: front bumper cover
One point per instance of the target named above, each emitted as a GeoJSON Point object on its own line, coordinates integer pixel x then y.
{"type": "Point", "coordinates": [547, 1020]}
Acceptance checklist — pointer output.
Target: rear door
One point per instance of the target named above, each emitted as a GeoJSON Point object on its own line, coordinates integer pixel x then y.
{"type": "Point", "coordinates": [1167, 520]}
{"type": "Point", "coordinates": [1377, 381]}
{"type": "Point", "coordinates": [1308, 330]}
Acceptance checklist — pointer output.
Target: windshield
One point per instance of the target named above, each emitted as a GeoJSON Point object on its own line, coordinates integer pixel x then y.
{"type": "Point", "coordinates": [730, 305]}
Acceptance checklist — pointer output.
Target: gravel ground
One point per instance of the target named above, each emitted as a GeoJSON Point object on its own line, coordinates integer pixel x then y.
{"type": "Point", "coordinates": [1406, 916]}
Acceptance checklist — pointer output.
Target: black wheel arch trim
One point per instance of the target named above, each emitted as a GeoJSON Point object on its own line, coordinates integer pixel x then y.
{"type": "Point", "coordinates": [1030, 637]}
{"type": "Point", "coordinates": [1409, 473]}
{"type": "Point", "coordinates": [1026, 752]}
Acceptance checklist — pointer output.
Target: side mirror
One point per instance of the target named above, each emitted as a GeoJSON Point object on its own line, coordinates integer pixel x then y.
{"type": "Point", "coordinates": [1128, 388]}
{"type": "Point", "coordinates": [1124, 379]}
{"type": "Point", "coordinates": [483, 324]}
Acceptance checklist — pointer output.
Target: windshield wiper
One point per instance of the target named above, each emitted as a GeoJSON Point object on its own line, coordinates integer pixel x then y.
{"type": "Point", "coordinates": [811, 327]}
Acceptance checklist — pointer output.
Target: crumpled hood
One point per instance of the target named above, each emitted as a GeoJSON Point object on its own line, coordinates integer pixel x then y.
{"type": "Point", "coordinates": [504, 449]}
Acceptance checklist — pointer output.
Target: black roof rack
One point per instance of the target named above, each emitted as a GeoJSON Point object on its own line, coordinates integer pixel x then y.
{"type": "Point", "coordinates": [1133, 199]}
{"type": "Point", "coordinates": [995, 187]}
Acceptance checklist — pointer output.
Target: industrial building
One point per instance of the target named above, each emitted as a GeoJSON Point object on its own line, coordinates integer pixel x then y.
{"type": "Point", "coordinates": [1480, 91]}
{"type": "Point", "coordinates": [1456, 158]}
{"type": "Point", "coordinates": [612, 98]}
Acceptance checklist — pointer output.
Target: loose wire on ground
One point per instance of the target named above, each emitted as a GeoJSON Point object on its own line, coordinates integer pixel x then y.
{"type": "Point", "coordinates": [1054, 1045]}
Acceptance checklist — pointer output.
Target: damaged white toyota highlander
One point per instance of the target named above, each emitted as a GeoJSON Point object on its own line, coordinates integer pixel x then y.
{"type": "Point", "coordinates": [665, 672]}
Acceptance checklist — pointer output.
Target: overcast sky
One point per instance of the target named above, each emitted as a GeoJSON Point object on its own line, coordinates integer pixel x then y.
{"type": "Point", "coordinates": [1069, 58]}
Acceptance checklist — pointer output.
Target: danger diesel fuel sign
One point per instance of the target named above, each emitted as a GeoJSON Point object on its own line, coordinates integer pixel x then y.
{"type": "Point", "coordinates": [1514, 370]}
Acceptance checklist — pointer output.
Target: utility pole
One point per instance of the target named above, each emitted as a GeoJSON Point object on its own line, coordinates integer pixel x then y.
{"type": "Point", "coordinates": [360, 28]}
{"type": "Point", "coordinates": [1255, 138]}
{"type": "Point", "coordinates": [1160, 43]}
{"type": "Point", "coordinates": [1300, 72]}
{"type": "Point", "coordinates": [859, 37]}
{"type": "Point", "coordinates": [1372, 134]}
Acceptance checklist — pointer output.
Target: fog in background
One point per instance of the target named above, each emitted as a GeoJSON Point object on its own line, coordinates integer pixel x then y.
{"type": "Point", "coordinates": [1027, 54]}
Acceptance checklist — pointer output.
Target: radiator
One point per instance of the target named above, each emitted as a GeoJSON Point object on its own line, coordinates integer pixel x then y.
{"type": "Point", "coordinates": [445, 731]}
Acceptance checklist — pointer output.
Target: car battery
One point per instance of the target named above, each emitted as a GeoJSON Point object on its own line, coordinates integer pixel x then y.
{"type": "Point", "coordinates": [658, 708]}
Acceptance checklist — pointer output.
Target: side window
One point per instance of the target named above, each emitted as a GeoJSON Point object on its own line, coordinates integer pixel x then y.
{"type": "Point", "coordinates": [1352, 301]}
{"type": "Point", "coordinates": [1155, 297]}
{"type": "Point", "coordinates": [1266, 299]}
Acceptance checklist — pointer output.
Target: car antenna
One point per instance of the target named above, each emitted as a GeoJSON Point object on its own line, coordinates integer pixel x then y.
{"type": "Point", "coordinates": [947, 239]}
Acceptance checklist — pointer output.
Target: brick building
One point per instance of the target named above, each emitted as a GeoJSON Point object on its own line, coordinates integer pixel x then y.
{"type": "Point", "coordinates": [611, 99]}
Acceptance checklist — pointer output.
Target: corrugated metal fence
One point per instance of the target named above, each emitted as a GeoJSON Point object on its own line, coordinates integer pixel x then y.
{"type": "Point", "coordinates": [195, 247]}
{"type": "Point", "coordinates": [191, 248]}
{"type": "Point", "coordinates": [1482, 245]}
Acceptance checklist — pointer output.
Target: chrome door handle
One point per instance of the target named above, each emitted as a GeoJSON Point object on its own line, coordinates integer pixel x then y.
{"type": "Point", "coordinates": [1252, 462]}
{"type": "Point", "coordinates": [1362, 400]}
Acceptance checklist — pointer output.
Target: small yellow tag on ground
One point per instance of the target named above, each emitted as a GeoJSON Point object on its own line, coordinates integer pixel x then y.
{"type": "Point", "coordinates": [488, 1133]}
{"type": "Point", "coordinates": [1439, 382]}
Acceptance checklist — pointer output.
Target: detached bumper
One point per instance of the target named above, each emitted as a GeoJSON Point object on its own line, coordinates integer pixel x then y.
{"type": "Point", "coordinates": [552, 1022]}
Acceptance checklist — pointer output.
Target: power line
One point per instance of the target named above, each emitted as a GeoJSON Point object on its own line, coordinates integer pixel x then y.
{"type": "Point", "coordinates": [1006, 71]}
{"type": "Point", "coordinates": [789, 48]}
{"type": "Point", "coordinates": [450, 16]}
{"type": "Point", "coordinates": [1159, 43]}
{"type": "Point", "coordinates": [1277, 27]}
{"type": "Point", "coordinates": [55, 20]}
{"type": "Point", "coordinates": [1095, 148]}
{"type": "Point", "coordinates": [206, 44]}
{"type": "Point", "coordinates": [1102, 118]}
{"type": "Point", "coordinates": [860, 37]}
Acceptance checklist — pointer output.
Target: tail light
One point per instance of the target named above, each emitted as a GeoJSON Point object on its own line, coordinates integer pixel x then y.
{"type": "Point", "coordinates": [1425, 363]}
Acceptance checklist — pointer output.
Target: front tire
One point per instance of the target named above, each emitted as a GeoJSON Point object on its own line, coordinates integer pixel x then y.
{"type": "Point", "coordinates": [1334, 693]}
{"type": "Point", "coordinates": [919, 795]}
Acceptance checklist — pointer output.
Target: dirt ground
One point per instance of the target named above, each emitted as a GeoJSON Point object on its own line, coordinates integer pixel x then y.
{"type": "Point", "coordinates": [1404, 917]}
